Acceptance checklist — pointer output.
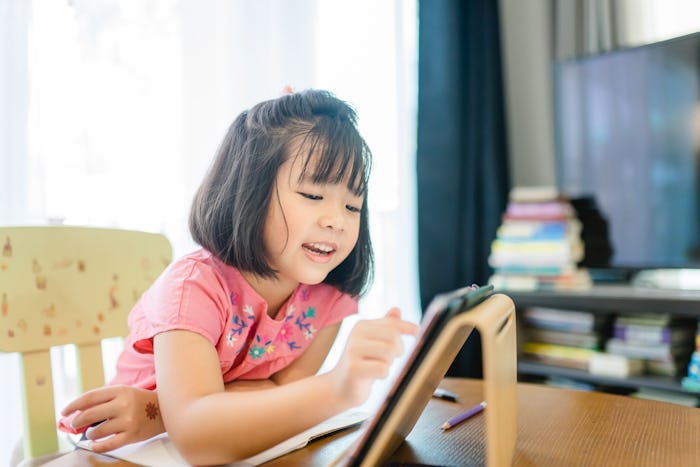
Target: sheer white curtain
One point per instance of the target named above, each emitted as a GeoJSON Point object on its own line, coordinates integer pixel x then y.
{"type": "Point", "coordinates": [110, 112]}
{"type": "Point", "coordinates": [646, 21]}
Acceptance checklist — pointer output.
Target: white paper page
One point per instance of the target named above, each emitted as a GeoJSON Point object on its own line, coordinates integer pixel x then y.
{"type": "Point", "coordinates": [160, 452]}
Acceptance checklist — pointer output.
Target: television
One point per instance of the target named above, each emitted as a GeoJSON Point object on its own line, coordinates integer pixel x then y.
{"type": "Point", "coordinates": [627, 134]}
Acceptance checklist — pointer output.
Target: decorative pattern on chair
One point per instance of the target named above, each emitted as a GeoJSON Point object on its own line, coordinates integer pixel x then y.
{"type": "Point", "coordinates": [65, 285]}
{"type": "Point", "coordinates": [68, 285]}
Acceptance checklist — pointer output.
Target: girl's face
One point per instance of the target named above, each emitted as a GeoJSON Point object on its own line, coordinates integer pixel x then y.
{"type": "Point", "coordinates": [310, 227]}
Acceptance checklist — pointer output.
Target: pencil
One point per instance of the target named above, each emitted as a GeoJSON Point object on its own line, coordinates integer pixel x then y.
{"type": "Point", "coordinates": [463, 416]}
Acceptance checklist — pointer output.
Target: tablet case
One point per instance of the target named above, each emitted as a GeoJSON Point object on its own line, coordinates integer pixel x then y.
{"type": "Point", "coordinates": [449, 320]}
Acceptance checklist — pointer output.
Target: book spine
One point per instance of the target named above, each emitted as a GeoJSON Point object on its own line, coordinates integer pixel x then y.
{"type": "Point", "coordinates": [558, 355]}
{"type": "Point", "coordinates": [646, 334]}
{"type": "Point", "coordinates": [537, 209]}
{"type": "Point", "coordinates": [617, 366]}
{"type": "Point", "coordinates": [524, 230]}
{"type": "Point", "coordinates": [574, 339]}
{"type": "Point", "coordinates": [539, 217]}
{"type": "Point", "coordinates": [543, 271]}
{"type": "Point", "coordinates": [634, 350]}
{"type": "Point", "coordinates": [555, 314]}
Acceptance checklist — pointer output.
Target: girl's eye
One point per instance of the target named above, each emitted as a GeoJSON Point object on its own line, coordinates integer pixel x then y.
{"type": "Point", "coordinates": [352, 208]}
{"type": "Point", "coordinates": [310, 196]}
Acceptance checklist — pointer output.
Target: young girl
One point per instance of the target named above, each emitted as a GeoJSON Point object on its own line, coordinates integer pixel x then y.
{"type": "Point", "coordinates": [233, 335]}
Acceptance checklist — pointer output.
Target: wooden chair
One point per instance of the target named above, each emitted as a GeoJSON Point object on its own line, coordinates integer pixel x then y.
{"type": "Point", "coordinates": [68, 285]}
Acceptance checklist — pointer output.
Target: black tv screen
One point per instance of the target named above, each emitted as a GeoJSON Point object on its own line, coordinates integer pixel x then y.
{"type": "Point", "coordinates": [627, 127]}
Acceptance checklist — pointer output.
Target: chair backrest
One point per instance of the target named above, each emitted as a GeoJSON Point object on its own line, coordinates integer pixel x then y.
{"type": "Point", "coordinates": [68, 285]}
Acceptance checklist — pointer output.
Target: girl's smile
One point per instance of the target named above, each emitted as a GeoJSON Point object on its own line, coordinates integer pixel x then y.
{"type": "Point", "coordinates": [320, 252]}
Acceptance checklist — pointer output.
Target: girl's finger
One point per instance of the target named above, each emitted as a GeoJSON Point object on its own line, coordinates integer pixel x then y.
{"type": "Point", "coordinates": [103, 429]}
{"type": "Point", "coordinates": [385, 328]}
{"type": "Point", "coordinates": [93, 415]}
{"type": "Point", "coordinates": [375, 350]}
{"type": "Point", "coordinates": [405, 327]}
{"type": "Point", "coordinates": [109, 444]}
{"type": "Point", "coordinates": [393, 313]}
{"type": "Point", "coordinates": [89, 399]}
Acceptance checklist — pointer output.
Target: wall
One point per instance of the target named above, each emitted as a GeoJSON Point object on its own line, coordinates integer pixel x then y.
{"type": "Point", "coordinates": [525, 35]}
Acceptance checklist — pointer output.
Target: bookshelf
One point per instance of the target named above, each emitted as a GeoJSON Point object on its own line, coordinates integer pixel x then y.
{"type": "Point", "coordinates": [615, 299]}
{"type": "Point", "coordinates": [526, 368]}
{"type": "Point", "coordinates": [612, 300]}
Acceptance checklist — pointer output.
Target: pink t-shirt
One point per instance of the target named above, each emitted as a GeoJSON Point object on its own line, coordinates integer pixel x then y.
{"type": "Point", "coordinates": [199, 293]}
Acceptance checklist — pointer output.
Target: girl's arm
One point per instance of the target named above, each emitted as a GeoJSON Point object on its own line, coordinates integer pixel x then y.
{"type": "Point", "coordinates": [131, 414]}
{"type": "Point", "coordinates": [211, 426]}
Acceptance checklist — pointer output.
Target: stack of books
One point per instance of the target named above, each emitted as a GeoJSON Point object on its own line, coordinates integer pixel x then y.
{"type": "Point", "coordinates": [691, 382]}
{"type": "Point", "coordinates": [565, 338]}
{"type": "Point", "coordinates": [662, 342]}
{"type": "Point", "coordinates": [538, 245]}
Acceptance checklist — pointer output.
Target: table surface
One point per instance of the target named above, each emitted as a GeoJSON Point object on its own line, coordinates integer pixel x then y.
{"type": "Point", "coordinates": [555, 427]}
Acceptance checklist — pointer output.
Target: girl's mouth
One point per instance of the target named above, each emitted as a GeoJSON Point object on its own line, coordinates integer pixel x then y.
{"type": "Point", "coordinates": [320, 249]}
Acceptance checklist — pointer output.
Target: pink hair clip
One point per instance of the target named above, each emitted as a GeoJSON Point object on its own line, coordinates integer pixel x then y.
{"type": "Point", "coordinates": [287, 90]}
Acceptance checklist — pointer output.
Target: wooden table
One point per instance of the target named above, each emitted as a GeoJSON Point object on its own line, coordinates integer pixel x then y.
{"type": "Point", "coordinates": [557, 427]}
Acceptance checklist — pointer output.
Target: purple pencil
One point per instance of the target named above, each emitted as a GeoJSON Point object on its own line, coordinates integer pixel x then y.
{"type": "Point", "coordinates": [463, 416]}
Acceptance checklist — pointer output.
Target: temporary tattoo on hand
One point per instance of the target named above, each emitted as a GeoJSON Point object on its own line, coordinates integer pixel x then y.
{"type": "Point", "coordinates": [152, 411]}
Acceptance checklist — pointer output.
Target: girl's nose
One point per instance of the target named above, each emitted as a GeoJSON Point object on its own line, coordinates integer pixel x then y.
{"type": "Point", "coordinates": [331, 218]}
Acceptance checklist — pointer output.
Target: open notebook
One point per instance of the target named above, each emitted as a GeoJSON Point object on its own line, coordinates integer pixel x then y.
{"type": "Point", "coordinates": [448, 321]}
{"type": "Point", "coordinates": [160, 452]}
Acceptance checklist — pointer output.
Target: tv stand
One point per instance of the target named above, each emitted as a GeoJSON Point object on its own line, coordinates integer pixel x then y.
{"type": "Point", "coordinates": [615, 299]}
{"type": "Point", "coordinates": [672, 279]}
{"type": "Point", "coordinates": [610, 300]}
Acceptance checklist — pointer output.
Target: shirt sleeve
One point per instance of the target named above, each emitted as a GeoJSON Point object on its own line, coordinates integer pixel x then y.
{"type": "Point", "coordinates": [343, 306]}
{"type": "Point", "coordinates": [189, 296]}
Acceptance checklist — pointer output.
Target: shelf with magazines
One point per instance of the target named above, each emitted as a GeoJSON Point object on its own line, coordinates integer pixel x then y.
{"type": "Point", "coordinates": [583, 323]}
{"type": "Point", "coordinates": [613, 338]}
{"type": "Point", "coordinates": [534, 371]}
{"type": "Point", "coordinates": [615, 299]}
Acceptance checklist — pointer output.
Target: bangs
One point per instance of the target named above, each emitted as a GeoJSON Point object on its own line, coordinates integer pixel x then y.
{"type": "Point", "coordinates": [333, 154]}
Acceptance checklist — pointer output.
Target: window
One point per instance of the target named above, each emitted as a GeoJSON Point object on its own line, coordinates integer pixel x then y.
{"type": "Point", "coordinates": [112, 111]}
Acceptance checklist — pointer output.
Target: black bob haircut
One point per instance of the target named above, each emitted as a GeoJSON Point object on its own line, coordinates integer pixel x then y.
{"type": "Point", "coordinates": [230, 207]}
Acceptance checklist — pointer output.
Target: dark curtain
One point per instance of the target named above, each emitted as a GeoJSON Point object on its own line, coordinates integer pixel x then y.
{"type": "Point", "coordinates": [461, 161]}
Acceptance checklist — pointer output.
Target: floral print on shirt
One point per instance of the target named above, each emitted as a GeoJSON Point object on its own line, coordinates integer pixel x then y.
{"type": "Point", "coordinates": [297, 323]}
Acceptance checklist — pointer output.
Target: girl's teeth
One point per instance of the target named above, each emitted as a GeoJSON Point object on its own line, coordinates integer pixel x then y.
{"type": "Point", "coordinates": [318, 248]}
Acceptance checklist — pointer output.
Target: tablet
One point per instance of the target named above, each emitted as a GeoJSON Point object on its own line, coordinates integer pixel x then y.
{"type": "Point", "coordinates": [448, 321]}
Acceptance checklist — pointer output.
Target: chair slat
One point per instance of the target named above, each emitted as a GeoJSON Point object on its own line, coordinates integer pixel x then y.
{"type": "Point", "coordinates": [38, 404]}
{"type": "Point", "coordinates": [91, 372]}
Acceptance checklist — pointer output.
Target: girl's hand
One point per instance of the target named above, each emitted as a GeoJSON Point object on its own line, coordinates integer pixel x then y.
{"type": "Point", "coordinates": [120, 414]}
{"type": "Point", "coordinates": [371, 349]}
